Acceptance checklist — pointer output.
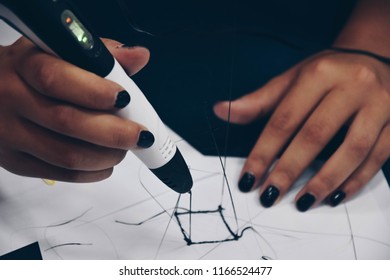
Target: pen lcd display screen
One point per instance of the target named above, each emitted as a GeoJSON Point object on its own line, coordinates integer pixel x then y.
{"type": "Point", "coordinates": [77, 29]}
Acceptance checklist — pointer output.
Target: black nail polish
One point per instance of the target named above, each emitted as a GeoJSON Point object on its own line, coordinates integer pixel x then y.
{"type": "Point", "coordinates": [305, 202]}
{"type": "Point", "coordinates": [246, 182]}
{"type": "Point", "coordinates": [122, 99]}
{"type": "Point", "coordinates": [146, 139]}
{"type": "Point", "coordinates": [269, 196]}
{"type": "Point", "coordinates": [336, 197]}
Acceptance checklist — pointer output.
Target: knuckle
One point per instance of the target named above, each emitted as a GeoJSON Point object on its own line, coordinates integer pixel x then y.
{"type": "Point", "coordinates": [99, 176]}
{"type": "Point", "coordinates": [95, 100]}
{"type": "Point", "coordinates": [360, 145]}
{"type": "Point", "coordinates": [316, 133]}
{"type": "Point", "coordinates": [320, 67]}
{"type": "Point", "coordinates": [46, 76]}
{"type": "Point", "coordinates": [73, 176]}
{"type": "Point", "coordinates": [280, 80]}
{"type": "Point", "coordinates": [379, 159]}
{"type": "Point", "coordinates": [281, 124]}
{"type": "Point", "coordinates": [86, 176]}
{"type": "Point", "coordinates": [258, 161]}
{"type": "Point", "coordinates": [323, 184]}
{"type": "Point", "coordinates": [123, 137]}
{"type": "Point", "coordinates": [119, 156]}
{"type": "Point", "coordinates": [100, 95]}
{"type": "Point", "coordinates": [284, 177]}
{"type": "Point", "coordinates": [19, 46]}
{"type": "Point", "coordinates": [360, 181]}
{"type": "Point", "coordinates": [364, 74]}
{"type": "Point", "coordinates": [64, 118]}
{"type": "Point", "coordinates": [71, 160]}
{"type": "Point", "coordinates": [354, 184]}
{"type": "Point", "coordinates": [104, 174]}
{"type": "Point", "coordinates": [382, 99]}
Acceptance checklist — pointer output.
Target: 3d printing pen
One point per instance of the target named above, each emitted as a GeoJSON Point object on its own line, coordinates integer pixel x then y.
{"type": "Point", "coordinates": [53, 26]}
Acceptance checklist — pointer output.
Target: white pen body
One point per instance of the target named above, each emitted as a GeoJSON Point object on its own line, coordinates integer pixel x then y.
{"type": "Point", "coordinates": [139, 110]}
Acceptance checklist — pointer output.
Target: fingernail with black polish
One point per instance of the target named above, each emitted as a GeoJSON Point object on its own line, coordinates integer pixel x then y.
{"type": "Point", "coordinates": [246, 182]}
{"type": "Point", "coordinates": [269, 196]}
{"type": "Point", "coordinates": [122, 99]}
{"type": "Point", "coordinates": [336, 197]}
{"type": "Point", "coordinates": [305, 202]}
{"type": "Point", "coordinates": [146, 139]}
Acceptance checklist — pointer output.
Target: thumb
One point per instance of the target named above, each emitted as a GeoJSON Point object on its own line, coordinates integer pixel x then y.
{"type": "Point", "coordinates": [256, 104]}
{"type": "Point", "coordinates": [132, 59]}
{"type": "Point", "coordinates": [240, 111]}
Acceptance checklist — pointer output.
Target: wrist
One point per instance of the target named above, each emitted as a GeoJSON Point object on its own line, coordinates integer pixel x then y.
{"type": "Point", "coordinates": [368, 29]}
{"type": "Point", "coordinates": [378, 45]}
{"type": "Point", "coordinates": [376, 56]}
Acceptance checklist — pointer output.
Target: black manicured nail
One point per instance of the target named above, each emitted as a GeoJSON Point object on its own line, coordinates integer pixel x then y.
{"type": "Point", "coordinates": [336, 197]}
{"type": "Point", "coordinates": [305, 202]}
{"type": "Point", "coordinates": [146, 139]}
{"type": "Point", "coordinates": [246, 182]}
{"type": "Point", "coordinates": [269, 196]}
{"type": "Point", "coordinates": [122, 99]}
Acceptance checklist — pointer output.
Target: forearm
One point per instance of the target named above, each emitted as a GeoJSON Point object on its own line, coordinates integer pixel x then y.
{"type": "Point", "coordinates": [368, 28]}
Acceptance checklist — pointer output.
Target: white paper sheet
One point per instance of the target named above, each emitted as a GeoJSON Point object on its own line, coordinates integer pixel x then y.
{"type": "Point", "coordinates": [73, 221]}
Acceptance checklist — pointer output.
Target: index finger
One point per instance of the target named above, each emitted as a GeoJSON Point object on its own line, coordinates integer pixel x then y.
{"type": "Point", "coordinates": [281, 127]}
{"type": "Point", "coordinates": [61, 80]}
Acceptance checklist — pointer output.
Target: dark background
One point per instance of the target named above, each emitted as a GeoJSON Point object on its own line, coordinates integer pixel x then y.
{"type": "Point", "coordinates": [203, 51]}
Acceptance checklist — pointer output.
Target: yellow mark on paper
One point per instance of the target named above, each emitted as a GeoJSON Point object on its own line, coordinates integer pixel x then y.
{"type": "Point", "coordinates": [49, 182]}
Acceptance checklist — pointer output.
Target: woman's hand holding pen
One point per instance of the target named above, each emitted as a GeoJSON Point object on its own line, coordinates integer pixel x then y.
{"type": "Point", "coordinates": [57, 121]}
